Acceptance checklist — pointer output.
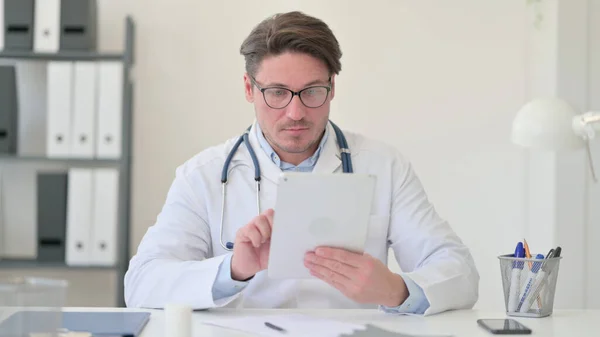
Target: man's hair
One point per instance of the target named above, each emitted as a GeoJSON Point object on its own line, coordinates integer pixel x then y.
{"type": "Point", "coordinates": [291, 32]}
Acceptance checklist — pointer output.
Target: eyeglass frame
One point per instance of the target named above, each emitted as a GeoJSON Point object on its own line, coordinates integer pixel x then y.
{"type": "Point", "coordinates": [294, 93]}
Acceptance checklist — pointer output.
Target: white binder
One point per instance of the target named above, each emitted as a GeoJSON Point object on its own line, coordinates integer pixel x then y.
{"type": "Point", "coordinates": [109, 115]}
{"type": "Point", "coordinates": [79, 217]}
{"type": "Point", "coordinates": [84, 110]}
{"type": "Point", "coordinates": [46, 32]}
{"type": "Point", "coordinates": [105, 216]}
{"type": "Point", "coordinates": [59, 94]}
{"type": "Point", "coordinates": [1, 25]}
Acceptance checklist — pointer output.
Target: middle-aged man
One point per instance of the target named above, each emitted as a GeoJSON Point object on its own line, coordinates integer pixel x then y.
{"type": "Point", "coordinates": [291, 63]}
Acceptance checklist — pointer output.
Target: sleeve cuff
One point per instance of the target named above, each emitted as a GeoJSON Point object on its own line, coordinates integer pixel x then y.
{"type": "Point", "coordinates": [415, 303]}
{"type": "Point", "coordinates": [224, 285]}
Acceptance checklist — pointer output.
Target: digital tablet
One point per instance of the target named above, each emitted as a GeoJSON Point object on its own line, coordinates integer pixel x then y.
{"type": "Point", "coordinates": [318, 209]}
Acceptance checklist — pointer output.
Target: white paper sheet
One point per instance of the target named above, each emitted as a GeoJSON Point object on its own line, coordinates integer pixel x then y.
{"type": "Point", "coordinates": [294, 325]}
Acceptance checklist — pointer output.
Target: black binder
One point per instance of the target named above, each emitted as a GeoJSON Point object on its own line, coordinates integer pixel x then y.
{"type": "Point", "coordinates": [51, 216]}
{"type": "Point", "coordinates": [18, 24]}
{"type": "Point", "coordinates": [8, 110]}
{"type": "Point", "coordinates": [78, 20]}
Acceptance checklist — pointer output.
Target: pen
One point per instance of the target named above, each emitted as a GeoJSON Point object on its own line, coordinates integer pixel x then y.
{"type": "Point", "coordinates": [539, 281]}
{"type": "Point", "coordinates": [515, 279]}
{"type": "Point", "coordinates": [530, 279]}
{"type": "Point", "coordinates": [275, 327]}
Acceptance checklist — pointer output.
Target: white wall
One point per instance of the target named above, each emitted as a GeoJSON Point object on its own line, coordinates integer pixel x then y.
{"type": "Point", "coordinates": [440, 80]}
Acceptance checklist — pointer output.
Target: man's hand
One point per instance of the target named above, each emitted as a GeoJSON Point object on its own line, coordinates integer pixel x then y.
{"type": "Point", "coordinates": [251, 247]}
{"type": "Point", "coordinates": [361, 278]}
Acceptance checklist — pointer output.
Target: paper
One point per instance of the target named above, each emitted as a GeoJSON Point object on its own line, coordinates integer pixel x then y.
{"type": "Point", "coordinates": [294, 325]}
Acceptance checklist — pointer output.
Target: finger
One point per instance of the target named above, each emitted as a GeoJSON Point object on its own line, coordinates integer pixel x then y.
{"type": "Point", "coordinates": [341, 255]}
{"type": "Point", "coordinates": [339, 286]}
{"type": "Point", "coordinates": [263, 227]}
{"type": "Point", "coordinates": [327, 273]}
{"type": "Point", "coordinates": [251, 234]}
{"type": "Point", "coordinates": [334, 265]}
{"type": "Point", "coordinates": [270, 213]}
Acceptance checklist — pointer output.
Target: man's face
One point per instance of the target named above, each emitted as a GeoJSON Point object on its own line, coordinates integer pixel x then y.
{"type": "Point", "coordinates": [296, 128]}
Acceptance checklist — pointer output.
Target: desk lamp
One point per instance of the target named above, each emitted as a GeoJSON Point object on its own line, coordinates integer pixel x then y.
{"type": "Point", "coordinates": [552, 124]}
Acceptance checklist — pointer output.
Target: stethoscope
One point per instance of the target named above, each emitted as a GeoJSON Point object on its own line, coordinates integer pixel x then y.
{"type": "Point", "coordinates": [346, 167]}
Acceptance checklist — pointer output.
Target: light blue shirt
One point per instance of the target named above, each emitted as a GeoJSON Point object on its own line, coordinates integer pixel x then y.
{"type": "Point", "coordinates": [225, 286]}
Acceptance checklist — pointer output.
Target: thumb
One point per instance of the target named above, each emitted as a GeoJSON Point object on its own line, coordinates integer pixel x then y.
{"type": "Point", "coordinates": [270, 213]}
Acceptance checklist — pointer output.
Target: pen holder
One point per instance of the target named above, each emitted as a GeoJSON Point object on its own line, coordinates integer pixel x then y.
{"type": "Point", "coordinates": [529, 285]}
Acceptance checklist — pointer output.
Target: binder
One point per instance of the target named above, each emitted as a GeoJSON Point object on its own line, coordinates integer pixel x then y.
{"type": "Point", "coordinates": [47, 26]}
{"type": "Point", "coordinates": [79, 217]}
{"type": "Point", "coordinates": [105, 216]}
{"type": "Point", "coordinates": [1, 25]}
{"type": "Point", "coordinates": [18, 24]}
{"type": "Point", "coordinates": [8, 110]}
{"type": "Point", "coordinates": [60, 84]}
{"type": "Point", "coordinates": [78, 25]}
{"type": "Point", "coordinates": [84, 110]}
{"type": "Point", "coordinates": [109, 115]}
{"type": "Point", "coordinates": [51, 216]}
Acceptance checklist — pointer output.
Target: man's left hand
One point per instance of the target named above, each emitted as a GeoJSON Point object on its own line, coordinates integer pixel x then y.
{"type": "Point", "coordinates": [360, 277]}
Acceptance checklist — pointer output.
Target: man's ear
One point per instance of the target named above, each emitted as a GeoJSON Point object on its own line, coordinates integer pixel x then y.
{"type": "Point", "coordinates": [332, 87]}
{"type": "Point", "coordinates": [248, 88]}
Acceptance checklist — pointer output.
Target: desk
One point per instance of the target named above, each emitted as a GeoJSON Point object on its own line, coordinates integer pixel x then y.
{"type": "Point", "coordinates": [578, 323]}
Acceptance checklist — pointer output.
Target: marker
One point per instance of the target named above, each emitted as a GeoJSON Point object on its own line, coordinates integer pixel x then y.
{"type": "Point", "coordinates": [529, 282]}
{"type": "Point", "coordinates": [515, 279]}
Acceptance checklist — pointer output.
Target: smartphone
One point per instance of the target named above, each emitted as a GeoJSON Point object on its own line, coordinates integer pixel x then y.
{"type": "Point", "coordinates": [504, 326]}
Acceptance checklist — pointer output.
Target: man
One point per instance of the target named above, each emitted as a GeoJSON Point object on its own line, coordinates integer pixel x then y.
{"type": "Point", "coordinates": [291, 63]}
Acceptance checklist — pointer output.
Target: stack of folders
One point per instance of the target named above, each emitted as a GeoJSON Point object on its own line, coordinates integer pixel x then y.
{"type": "Point", "coordinates": [84, 109]}
{"type": "Point", "coordinates": [48, 26]}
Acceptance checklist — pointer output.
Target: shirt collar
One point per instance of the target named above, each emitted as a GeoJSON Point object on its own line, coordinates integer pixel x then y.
{"type": "Point", "coordinates": [309, 162]}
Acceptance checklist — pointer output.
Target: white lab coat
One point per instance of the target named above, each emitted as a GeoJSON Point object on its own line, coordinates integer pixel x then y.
{"type": "Point", "coordinates": [179, 256]}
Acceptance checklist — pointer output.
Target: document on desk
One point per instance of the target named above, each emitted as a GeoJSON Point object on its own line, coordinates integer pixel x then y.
{"type": "Point", "coordinates": [287, 325]}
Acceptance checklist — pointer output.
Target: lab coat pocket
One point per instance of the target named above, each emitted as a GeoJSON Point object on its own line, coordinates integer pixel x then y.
{"type": "Point", "coordinates": [377, 237]}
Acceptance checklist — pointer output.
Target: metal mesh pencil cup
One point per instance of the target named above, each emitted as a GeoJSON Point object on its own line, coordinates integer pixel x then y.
{"type": "Point", "coordinates": [529, 285]}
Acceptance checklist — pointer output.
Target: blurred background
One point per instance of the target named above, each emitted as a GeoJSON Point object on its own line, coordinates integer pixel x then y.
{"type": "Point", "coordinates": [440, 80]}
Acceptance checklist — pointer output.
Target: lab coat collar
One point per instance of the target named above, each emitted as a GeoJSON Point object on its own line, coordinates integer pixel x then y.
{"type": "Point", "coordinates": [329, 159]}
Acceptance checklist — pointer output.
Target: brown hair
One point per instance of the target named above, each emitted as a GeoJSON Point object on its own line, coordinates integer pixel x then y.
{"type": "Point", "coordinates": [293, 32]}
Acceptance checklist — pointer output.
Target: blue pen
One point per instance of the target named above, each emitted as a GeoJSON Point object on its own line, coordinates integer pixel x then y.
{"type": "Point", "coordinates": [530, 280]}
{"type": "Point", "coordinates": [515, 279]}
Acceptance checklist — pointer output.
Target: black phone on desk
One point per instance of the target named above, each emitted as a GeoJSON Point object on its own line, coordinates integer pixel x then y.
{"type": "Point", "coordinates": [504, 326]}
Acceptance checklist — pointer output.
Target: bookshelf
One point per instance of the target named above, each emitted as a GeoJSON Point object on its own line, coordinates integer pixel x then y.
{"type": "Point", "coordinates": [123, 163]}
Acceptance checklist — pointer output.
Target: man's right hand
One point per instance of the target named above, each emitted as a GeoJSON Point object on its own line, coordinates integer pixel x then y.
{"type": "Point", "coordinates": [251, 247]}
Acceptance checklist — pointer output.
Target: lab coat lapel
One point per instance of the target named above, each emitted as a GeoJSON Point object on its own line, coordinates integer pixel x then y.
{"type": "Point", "coordinates": [330, 159]}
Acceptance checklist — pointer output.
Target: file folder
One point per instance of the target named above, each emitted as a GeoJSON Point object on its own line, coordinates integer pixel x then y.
{"type": "Point", "coordinates": [79, 217]}
{"type": "Point", "coordinates": [110, 101]}
{"type": "Point", "coordinates": [1, 25]}
{"type": "Point", "coordinates": [59, 94]}
{"type": "Point", "coordinates": [51, 216]}
{"type": "Point", "coordinates": [78, 25]}
{"type": "Point", "coordinates": [105, 216]}
{"type": "Point", "coordinates": [32, 112]}
{"type": "Point", "coordinates": [8, 110]}
{"type": "Point", "coordinates": [47, 26]}
{"type": "Point", "coordinates": [18, 24]}
{"type": "Point", "coordinates": [84, 110]}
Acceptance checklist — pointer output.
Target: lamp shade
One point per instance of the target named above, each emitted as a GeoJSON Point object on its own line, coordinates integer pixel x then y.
{"type": "Point", "coordinates": [546, 124]}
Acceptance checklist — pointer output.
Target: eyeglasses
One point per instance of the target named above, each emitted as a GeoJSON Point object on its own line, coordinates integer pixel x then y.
{"type": "Point", "coordinates": [279, 98]}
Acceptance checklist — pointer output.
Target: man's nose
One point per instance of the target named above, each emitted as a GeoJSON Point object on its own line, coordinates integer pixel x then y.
{"type": "Point", "coordinates": [295, 110]}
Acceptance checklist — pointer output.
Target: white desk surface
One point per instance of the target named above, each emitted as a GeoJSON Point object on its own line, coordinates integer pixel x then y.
{"type": "Point", "coordinates": [578, 323]}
